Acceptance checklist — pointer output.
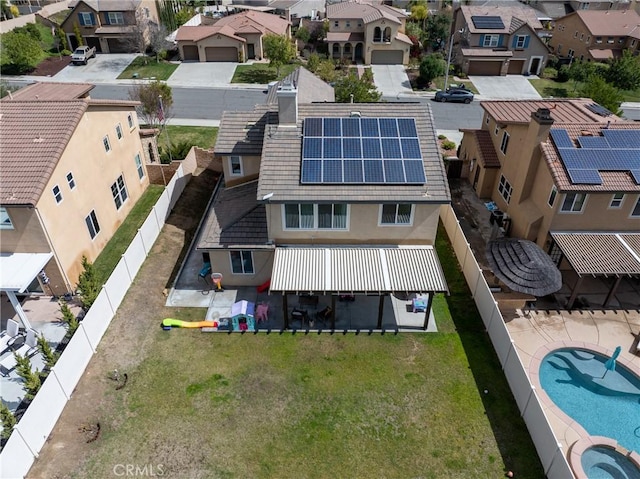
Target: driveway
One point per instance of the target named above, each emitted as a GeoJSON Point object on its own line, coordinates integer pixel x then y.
{"type": "Point", "coordinates": [203, 74]}
{"type": "Point", "coordinates": [102, 68]}
{"type": "Point", "coordinates": [391, 80]}
{"type": "Point", "coordinates": [505, 88]}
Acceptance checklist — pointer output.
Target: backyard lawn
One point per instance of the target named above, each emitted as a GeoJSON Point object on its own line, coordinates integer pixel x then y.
{"type": "Point", "coordinates": [147, 67]}
{"type": "Point", "coordinates": [261, 73]}
{"type": "Point", "coordinates": [202, 136]}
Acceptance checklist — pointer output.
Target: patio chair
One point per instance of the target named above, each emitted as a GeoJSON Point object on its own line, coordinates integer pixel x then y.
{"type": "Point", "coordinates": [8, 337]}
{"type": "Point", "coordinates": [28, 349]}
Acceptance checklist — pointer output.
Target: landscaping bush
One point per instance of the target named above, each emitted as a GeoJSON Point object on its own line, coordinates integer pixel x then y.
{"type": "Point", "coordinates": [448, 145]}
{"type": "Point", "coordinates": [177, 151]}
{"type": "Point", "coordinates": [31, 378]}
{"type": "Point", "coordinates": [563, 74]}
{"type": "Point", "coordinates": [68, 318]}
{"type": "Point", "coordinates": [88, 284]}
{"type": "Point", "coordinates": [8, 421]}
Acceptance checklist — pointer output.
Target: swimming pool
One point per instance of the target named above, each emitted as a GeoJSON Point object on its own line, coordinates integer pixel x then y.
{"type": "Point", "coordinates": [609, 407]}
{"type": "Point", "coordinates": [600, 462]}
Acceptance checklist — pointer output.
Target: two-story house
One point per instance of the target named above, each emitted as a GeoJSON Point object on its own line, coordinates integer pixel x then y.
{"type": "Point", "coordinates": [559, 8]}
{"type": "Point", "coordinates": [566, 175]}
{"type": "Point", "coordinates": [595, 35]}
{"type": "Point", "coordinates": [498, 40]}
{"type": "Point", "coordinates": [111, 26]}
{"type": "Point", "coordinates": [72, 170]}
{"type": "Point", "coordinates": [368, 33]}
{"type": "Point", "coordinates": [327, 198]}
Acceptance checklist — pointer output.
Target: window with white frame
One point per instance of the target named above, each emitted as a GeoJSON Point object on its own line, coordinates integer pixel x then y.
{"type": "Point", "coordinates": [552, 196]}
{"type": "Point", "coordinates": [635, 213]}
{"type": "Point", "coordinates": [336, 24]}
{"type": "Point", "coordinates": [573, 202]}
{"type": "Point", "coordinates": [521, 40]}
{"type": "Point", "coordinates": [505, 143]}
{"type": "Point", "coordinates": [348, 24]}
{"type": "Point", "coordinates": [241, 262]}
{"type": "Point", "coordinates": [139, 166]}
{"type": "Point", "coordinates": [496, 130]}
{"type": "Point", "coordinates": [487, 120]}
{"type": "Point", "coordinates": [610, 40]}
{"type": "Point", "coordinates": [309, 216]}
{"type": "Point", "coordinates": [115, 18]}
{"type": "Point", "coordinates": [571, 52]}
{"type": "Point", "coordinates": [85, 19]}
{"type": "Point", "coordinates": [598, 39]}
{"type": "Point", "coordinates": [505, 189]}
{"type": "Point", "coordinates": [575, 35]}
{"type": "Point", "coordinates": [119, 131]}
{"type": "Point", "coordinates": [57, 194]}
{"type": "Point", "coordinates": [92, 224]}
{"type": "Point", "coordinates": [491, 40]}
{"type": "Point", "coordinates": [119, 192]}
{"type": "Point", "coordinates": [588, 39]}
{"type": "Point", "coordinates": [235, 165]}
{"type": "Point", "coordinates": [616, 200]}
{"type": "Point", "coordinates": [396, 214]}
{"type": "Point", "coordinates": [106, 143]}
{"type": "Point", "coordinates": [71, 181]}
{"type": "Point", "coordinates": [130, 120]}
{"type": "Point", "coordinates": [5, 220]}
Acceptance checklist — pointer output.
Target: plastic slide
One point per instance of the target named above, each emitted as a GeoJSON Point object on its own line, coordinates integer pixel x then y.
{"type": "Point", "coordinates": [169, 323]}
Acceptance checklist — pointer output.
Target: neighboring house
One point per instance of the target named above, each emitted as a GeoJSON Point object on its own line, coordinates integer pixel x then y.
{"type": "Point", "coordinates": [498, 40]}
{"type": "Point", "coordinates": [72, 170]}
{"type": "Point", "coordinates": [369, 33]}
{"type": "Point", "coordinates": [564, 172]}
{"type": "Point", "coordinates": [234, 38]}
{"type": "Point", "coordinates": [111, 26]}
{"type": "Point", "coordinates": [327, 198]}
{"type": "Point", "coordinates": [560, 8]}
{"type": "Point", "coordinates": [596, 35]}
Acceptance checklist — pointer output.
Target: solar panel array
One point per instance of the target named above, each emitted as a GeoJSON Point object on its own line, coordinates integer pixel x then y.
{"type": "Point", "coordinates": [361, 151]}
{"type": "Point", "coordinates": [487, 22]}
{"type": "Point", "coordinates": [616, 150]}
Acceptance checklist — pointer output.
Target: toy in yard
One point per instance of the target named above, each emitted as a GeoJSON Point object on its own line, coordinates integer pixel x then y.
{"type": "Point", "coordinates": [169, 323]}
{"type": "Point", "coordinates": [217, 281]}
{"type": "Point", "coordinates": [242, 316]}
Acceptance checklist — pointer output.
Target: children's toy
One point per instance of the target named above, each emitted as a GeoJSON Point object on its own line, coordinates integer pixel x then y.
{"type": "Point", "coordinates": [242, 316]}
{"type": "Point", "coordinates": [217, 281]}
{"type": "Point", "coordinates": [169, 323]}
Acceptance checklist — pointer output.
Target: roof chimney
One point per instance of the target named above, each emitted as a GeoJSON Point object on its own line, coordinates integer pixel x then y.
{"type": "Point", "coordinates": [542, 116]}
{"type": "Point", "coordinates": [287, 104]}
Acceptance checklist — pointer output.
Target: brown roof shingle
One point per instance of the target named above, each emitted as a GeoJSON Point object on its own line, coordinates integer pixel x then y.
{"type": "Point", "coordinates": [52, 91]}
{"type": "Point", "coordinates": [264, 22]}
{"type": "Point", "coordinates": [489, 157]}
{"type": "Point", "coordinates": [366, 11]}
{"type": "Point", "coordinates": [310, 87]}
{"type": "Point", "coordinates": [572, 110]}
{"type": "Point", "coordinates": [611, 22]}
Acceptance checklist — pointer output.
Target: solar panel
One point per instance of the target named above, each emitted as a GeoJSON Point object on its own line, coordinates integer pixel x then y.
{"type": "Point", "coordinates": [407, 128]}
{"type": "Point", "coordinates": [391, 148]}
{"type": "Point", "coordinates": [599, 110]}
{"type": "Point", "coordinates": [410, 148]}
{"type": "Point", "coordinates": [561, 138]}
{"type": "Point", "coordinates": [332, 127]}
{"type": "Point", "coordinates": [332, 171]}
{"type": "Point", "coordinates": [636, 176]}
{"type": "Point", "coordinates": [312, 148]}
{"type": "Point", "coordinates": [414, 171]}
{"type": "Point", "coordinates": [485, 22]}
{"type": "Point", "coordinates": [373, 172]}
{"type": "Point", "coordinates": [371, 148]}
{"type": "Point", "coordinates": [312, 171]}
{"type": "Point", "coordinates": [351, 127]}
{"type": "Point", "coordinates": [313, 127]}
{"type": "Point", "coordinates": [332, 148]}
{"type": "Point", "coordinates": [585, 177]}
{"type": "Point", "coordinates": [351, 148]}
{"type": "Point", "coordinates": [388, 128]}
{"type": "Point", "coordinates": [593, 142]}
{"type": "Point", "coordinates": [622, 138]}
{"type": "Point", "coordinates": [369, 127]}
{"type": "Point", "coordinates": [393, 171]}
{"type": "Point", "coordinates": [353, 172]}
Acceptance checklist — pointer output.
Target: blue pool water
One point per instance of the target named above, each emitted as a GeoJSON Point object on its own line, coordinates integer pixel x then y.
{"type": "Point", "coordinates": [604, 407]}
{"type": "Point", "coordinates": [604, 463]}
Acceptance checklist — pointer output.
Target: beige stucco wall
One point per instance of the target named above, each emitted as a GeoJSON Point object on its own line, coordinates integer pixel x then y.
{"type": "Point", "coordinates": [256, 39]}
{"type": "Point", "coordinates": [363, 227]}
{"type": "Point", "coordinates": [26, 236]}
{"type": "Point", "coordinates": [262, 265]}
{"type": "Point", "coordinates": [94, 171]}
{"type": "Point", "coordinates": [597, 215]}
{"type": "Point", "coordinates": [563, 35]}
{"type": "Point", "coordinates": [250, 170]}
{"type": "Point", "coordinates": [393, 45]}
{"type": "Point", "coordinates": [215, 41]}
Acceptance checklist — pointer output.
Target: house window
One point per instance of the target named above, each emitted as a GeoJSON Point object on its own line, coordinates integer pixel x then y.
{"type": "Point", "coordinates": [107, 145]}
{"type": "Point", "coordinates": [139, 166]}
{"type": "Point", "coordinates": [570, 53]}
{"type": "Point", "coordinates": [236, 165]}
{"type": "Point", "coordinates": [636, 209]}
{"type": "Point", "coordinates": [633, 43]}
{"type": "Point", "coordinates": [86, 19]}
{"type": "Point", "coordinates": [491, 40]}
{"type": "Point", "coordinates": [359, 24]}
{"type": "Point", "coordinates": [598, 39]}
{"type": "Point", "coordinates": [496, 130]}
{"type": "Point", "coordinates": [616, 200]}
{"type": "Point", "coordinates": [505, 143]}
{"type": "Point", "coordinates": [130, 120]}
{"type": "Point", "coordinates": [610, 40]}
{"type": "Point", "coordinates": [71, 181]}
{"type": "Point", "coordinates": [241, 262]}
{"type": "Point", "coordinates": [57, 194]}
{"type": "Point", "coordinates": [584, 6]}
{"type": "Point", "coordinates": [400, 214]}
{"type": "Point", "coordinates": [119, 131]}
{"type": "Point", "coordinates": [336, 24]}
{"type": "Point", "coordinates": [92, 224]}
{"type": "Point", "coordinates": [588, 39]}
{"type": "Point", "coordinates": [5, 220]}
{"type": "Point", "coordinates": [581, 36]}
{"type": "Point", "coordinates": [573, 202]}
{"type": "Point", "coordinates": [348, 24]}
{"type": "Point", "coordinates": [487, 120]}
{"type": "Point", "coordinates": [575, 35]}
{"type": "Point", "coordinates": [505, 189]}
{"type": "Point", "coordinates": [309, 216]}
{"type": "Point", "coordinates": [552, 196]}
{"type": "Point", "coordinates": [115, 18]}
{"type": "Point", "coordinates": [119, 192]}
{"type": "Point", "coordinates": [621, 40]}
{"type": "Point", "coordinates": [521, 41]}
{"type": "Point", "coordinates": [377, 34]}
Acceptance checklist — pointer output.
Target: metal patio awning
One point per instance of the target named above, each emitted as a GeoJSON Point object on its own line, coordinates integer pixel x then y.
{"type": "Point", "coordinates": [18, 270]}
{"type": "Point", "coordinates": [351, 270]}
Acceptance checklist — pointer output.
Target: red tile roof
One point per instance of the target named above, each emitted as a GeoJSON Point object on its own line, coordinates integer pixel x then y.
{"type": "Point", "coordinates": [52, 91]}
{"type": "Point", "coordinates": [365, 11]}
{"type": "Point", "coordinates": [488, 156]}
{"type": "Point", "coordinates": [264, 22]}
{"type": "Point", "coordinates": [572, 110]}
{"type": "Point", "coordinates": [611, 22]}
{"type": "Point", "coordinates": [521, 12]}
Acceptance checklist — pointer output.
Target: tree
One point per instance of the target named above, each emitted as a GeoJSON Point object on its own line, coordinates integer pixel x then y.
{"type": "Point", "coordinates": [581, 72]}
{"type": "Point", "coordinates": [88, 283]}
{"type": "Point", "coordinates": [184, 15]}
{"type": "Point", "coordinates": [303, 34]}
{"type": "Point", "coordinates": [20, 53]}
{"type": "Point", "coordinates": [136, 40]}
{"type": "Point", "coordinates": [47, 353]}
{"type": "Point", "coordinates": [68, 318]}
{"type": "Point", "coordinates": [63, 39]}
{"type": "Point", "coordinates": [31, 378]}
{"type": "Point", "coordinates": [279, 50]}
{"type": "Point", "coordinates": [419, 13]}
{"type": "Point", "coordinates": [326, 70]}
{"type": "Point", "coordinates": [313, 62]}
{"type": "Point", "coordinates": [158, 43]}
{"type": "Point", "coordinates": [76, 32]}
{"type": "Point", "coordinates": [437, 29]}
{"type": "Point", "coordinates": [432, 66]}
{"type": "Point", "coordinates": [624, 72]}
{"type": "Point", "coordinates": [150, 111]}
{"type": "Point", "coordinates": [5, 11]}
{"type": "Point", "coordinates": [8, 421]}
{"type": "Point", "coordinates": [603, 93]}
{"type": "Point", "coordinates": [359, 89]}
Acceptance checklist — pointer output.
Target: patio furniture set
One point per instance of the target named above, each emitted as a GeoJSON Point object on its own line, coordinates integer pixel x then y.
{"type": "Point", "coordinates": [9, 341]}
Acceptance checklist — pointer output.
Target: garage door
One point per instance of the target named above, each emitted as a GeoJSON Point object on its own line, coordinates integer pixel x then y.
{"type": "Point", "coordinates": [484, 68]}
{"type": "Point", "coordinates": [190, 53]}
{"type": "Point", "coordinates": [117, 45]}
{"type": "Point", "coordinates": [515, 67]}
{"type": "Point", "coordinates": [386, 57]}
{"type": "Point", "coordinates": [221, 54]}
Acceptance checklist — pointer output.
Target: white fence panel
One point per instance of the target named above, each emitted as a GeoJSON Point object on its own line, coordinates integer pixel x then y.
{"type": "Point", "coordinates": [135, 256]}
{"type": "Point", "coordinates": [72, 362]}
{"type": "Point", "coordinates": [541, 433]}
{"type": "Point", "coordinates": [500, 338]}
{"type": "Point", "coordinates": [161, 208]}
{"type": "Point", "coordinates": [518, 380]}
{"type": "Point", "coordinates": [486, 303]}
{"type": "Point", "coordinates": [97, 319]}
{"type": "Point", "coordinates": [559, 468]}
{"type": "Point", "coordinates": [149, 231]}
{"type": "Point", "coordinates": [16, 458]}
{"type": "Point", "coordinates": [460, 246]}
{"type": "Point", "coordinates": [118, 284]}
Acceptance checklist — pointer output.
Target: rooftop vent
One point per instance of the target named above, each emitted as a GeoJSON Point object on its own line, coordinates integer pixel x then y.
{"type": "Point", "coordinates": [355, 114]}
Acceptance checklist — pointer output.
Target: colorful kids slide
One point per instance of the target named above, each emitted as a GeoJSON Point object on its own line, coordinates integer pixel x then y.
{"type": "Point", "coordinates": [169, 323]}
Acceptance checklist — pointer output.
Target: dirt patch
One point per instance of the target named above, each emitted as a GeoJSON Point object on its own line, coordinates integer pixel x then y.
{"type": "Point", "coordinates": [50, 66]}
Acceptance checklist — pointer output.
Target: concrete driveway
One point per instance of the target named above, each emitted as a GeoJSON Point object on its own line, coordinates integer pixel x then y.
{"type": "Point", "coordinates": [203, 74]}
{"type": "Point", "coordinates": [391, 80]}
{"type": "Point", "coordinates": [102, 68]}
{"type": "Point", "coordinates": [505, 88]}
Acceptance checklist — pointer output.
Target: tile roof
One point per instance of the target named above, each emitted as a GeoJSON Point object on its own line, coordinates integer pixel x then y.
{"type": "Point", "coordinates": [604, 53]}
{"type": "Point", "coordinates": [281, 159]}
{"type": "Point", "coordinates": [264, 22]}
{"type": "Point", "coordinates": [199, 32]}
{"type": "Point", "coordinates": [611, 22]}
{"type": "Point", "coordinates": [52, 91]}
{"type": "Point", "coordinates": [366, 11]}
{"type": "Point", "coordinates": [523, 13]}
{"type": "Point", "coordinates": [345, 36]}
{"type": "Point", "coordinates": [235, 218]}
{"type": "Point", "coordinates": [242, 132]}
{"type": "Point", "coordinates": [485, 52]}
{"type": "Point", "coordinates": [108, 5]}
{"type": "Point", "coordinates": [488, 156]}
{"type": "Point", "coordinates": [310, 88]}
{"type": "Point", "coordinates": [562, 110]}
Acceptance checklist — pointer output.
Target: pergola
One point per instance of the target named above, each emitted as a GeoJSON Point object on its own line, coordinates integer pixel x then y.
{"type": "Point", "coordinates": [615, 254]}
{"type": "Point", "coordinates": [357, 270]}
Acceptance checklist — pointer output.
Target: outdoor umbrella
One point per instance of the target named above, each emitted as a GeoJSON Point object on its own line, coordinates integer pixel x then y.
{"type": "Point", "coordinates": [610, 365]}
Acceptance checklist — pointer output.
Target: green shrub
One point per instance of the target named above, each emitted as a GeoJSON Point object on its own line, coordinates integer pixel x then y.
{"type": "Point", "coordinates": [448, 145]}
{"type": "Point", "coordinates": [442, 137]}
{"type": "Point", "coordinates": [177, 152]}
{"type": "Point", "coordinates": [563, 74]}
{"type": "Point", "coordinates": [30, 29]}
{"type": "Point", "coordinates": [8, 421]}
{"type": "Point", "coordinates": [66, 52]}
{"type": "Point", "coordinates": [30, 377]}
{"type": "Point", "coordinates": [68, 318]}
{"type": "Point", "coordinates": [49, 356]}
{"type": "Point", "coordinates": [88, 284]}
{"type": "Point", "coordinates": [313, 62]}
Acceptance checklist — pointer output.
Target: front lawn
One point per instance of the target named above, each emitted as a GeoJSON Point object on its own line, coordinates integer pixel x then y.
{"type": "Point", "coordinates": [552, 88]}
{"type": "Point", "coordinates": [147, 67]}
{"type": "Point", "coordinates": [438, 82]}
{"type": "Point", "coordinates": [261, 73]}
{"type": "Point", "coordinates": [202, 136]}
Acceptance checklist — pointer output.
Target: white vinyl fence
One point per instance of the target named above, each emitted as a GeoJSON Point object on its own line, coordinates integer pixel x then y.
{"type": "Point", "coordinates": [550, 451]}
{"type": "Point", "coordinates": [38, 421]}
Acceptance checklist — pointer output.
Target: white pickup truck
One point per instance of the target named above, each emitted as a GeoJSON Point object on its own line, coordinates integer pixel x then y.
{"type": "Point", "coordinates": [82, 54]}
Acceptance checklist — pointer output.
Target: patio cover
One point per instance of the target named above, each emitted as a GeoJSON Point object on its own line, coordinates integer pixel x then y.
{"type": "Point", "coordinates": [352, 270]}
{"type": "Point", "coordinates": [523, 266]}
{"type": "Point", "coordinates": [18, 270]}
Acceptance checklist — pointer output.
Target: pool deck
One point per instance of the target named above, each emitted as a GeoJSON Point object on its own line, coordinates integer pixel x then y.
{"type": "Point", "coordinates": [538, 332]}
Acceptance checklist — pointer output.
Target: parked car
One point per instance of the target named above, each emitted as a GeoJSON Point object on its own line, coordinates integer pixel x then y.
{"type": "Point", "coordinates": [454, 94]}
{"type": "Point", "coordinates": [82, 54]}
